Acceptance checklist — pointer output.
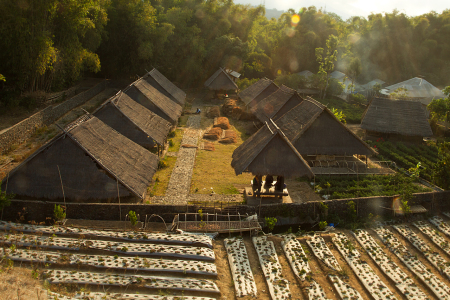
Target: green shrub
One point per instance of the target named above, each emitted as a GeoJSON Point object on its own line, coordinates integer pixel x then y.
{"type": "Point", "coordinates": [270, 223]}
{"type": "Point", "coordinates": [133, 218]}
{"type": "Point", "coordinates": [59, 212]}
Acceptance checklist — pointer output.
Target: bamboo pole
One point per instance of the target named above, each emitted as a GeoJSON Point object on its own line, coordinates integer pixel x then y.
{"type": "Point", "coordinates": [62, 187]}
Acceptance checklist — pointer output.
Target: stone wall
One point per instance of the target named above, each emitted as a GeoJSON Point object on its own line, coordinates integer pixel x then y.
{"type": "Point", "coordinates": [296, 213]}
{"type": "Point", "coordinates": [24, 129]}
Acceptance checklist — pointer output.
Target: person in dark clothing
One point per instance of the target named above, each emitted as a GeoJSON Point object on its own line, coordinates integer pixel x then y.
{"type": "Point", "coordinates": [269, 181]}
{"type": "Point", "coordinates": [279, 186]}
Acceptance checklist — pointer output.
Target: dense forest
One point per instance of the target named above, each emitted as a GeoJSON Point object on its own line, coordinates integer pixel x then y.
{"type": "Point", "coordinates": [50, 44]}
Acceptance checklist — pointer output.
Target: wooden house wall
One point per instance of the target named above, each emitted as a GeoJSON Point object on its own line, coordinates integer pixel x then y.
{"type": "Point", "coordinates": [83, 179]}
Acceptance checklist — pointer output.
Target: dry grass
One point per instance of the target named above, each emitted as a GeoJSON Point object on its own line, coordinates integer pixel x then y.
{"type": "Point", "coordinates": [213, 169]}
{"type": "Point", "coordinates": [176, 140]}
{"type": "Point", "coordinates": [162, 176]}
{"type": "Point", "coordinates": [18, 283]}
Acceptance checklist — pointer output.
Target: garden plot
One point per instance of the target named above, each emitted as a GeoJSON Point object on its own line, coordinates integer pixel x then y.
{"type": "Point", "coordinates": [150, 282]}
{"type": "Point", "coordinates": [440, 224]}
{"type": "Point", "coordinates": [433, 257]}
{"type": "Point", "coordinates": [412, 263]}
{"type": "Point", "coordinates": [278, 286]}
{"type": "Point", "coordinates": [115, 296]}
{"type": "Point", "coordinates": [244, 283]}
{"type": "Point", "coordinates": [433, 234]}
{"type": "Point", "coordinates": [344, 290]}
{"type": "Point", "coordinates": [296, 256]}
{"type": "Point", "coordinates": [185, 252]}
{"type": "Point", "coordinates": [321, 251]}
{"type": "Point", "coordinates": [376, 287]}
{"type": "Point", "coordinates": [112, 262]}
{"type": "Point", "coordinates": [315, 291]}
{"type": "Point", "coordinates": [135, 236]}
{"type": "Point", "coordinates": [389, 268]}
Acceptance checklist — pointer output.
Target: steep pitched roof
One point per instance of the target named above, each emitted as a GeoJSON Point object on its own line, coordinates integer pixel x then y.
{"type": "Point", "coordinates": [268, 151]}
{"type": "Point", "coordinates": [270, 106]}
{"type": "Point", "coordinates": [417, 88]}
{"type": "Point", "coordinates": [92, 158]}
{"type": "Point", "coordinates": [165, 86]}
{"type": "Point", "coordinates": [396, 116]}
{"type": "Point", "coordinates": [338, 75]}
{"type": "Point", "coordinates": [147, 95]}
{"type": "Point", "coordinates": [372, 83]}
{"type": "Point", "coordinates": [260, 89]}
{"type": "Point", "coordinates": [220, 80]}
{"type": "Point", "coordinates": [313, 129]}
{"type": "Point", "coordinates": [138, 117]}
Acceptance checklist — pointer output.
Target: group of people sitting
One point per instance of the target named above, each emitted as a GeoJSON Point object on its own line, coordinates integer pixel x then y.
{"type": "Point", "coordinates": [269, 182]}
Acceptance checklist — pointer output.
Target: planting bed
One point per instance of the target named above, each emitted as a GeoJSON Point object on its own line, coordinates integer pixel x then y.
{"type": "Point", "coordinates": [344, 290]}
{"type": "Point", "coordinates": [244, 283]}
{"type": "Point", "coordinates": [116, 296]}
{"type": "Point", "coordinates": [434, 235]}
{"type": "Point", "coordinates": [440, 224]}
{"type": "Point", "coordinates": [296, 256]}
{"type": "Point", "coordinates": [315, 291]}
{"type": "Point", "coordinates": [185, 252]}
{"type": "Point", "coordinates": [321, 251]}
{"type": "Point", "coordinates": [278, 286]}
{"type": "Point", "coordinates": [112, 262]}
{"type": "Point", "coordinates": [376, 287]}
{"type": "Point", "coordinates": [150, 282]}
{"type": "Point", "coordinates": [389, 268]}
{"type": "Point", "coordinates": [412, 262]}
{"type": "Point", "coordinates": [135, 236]}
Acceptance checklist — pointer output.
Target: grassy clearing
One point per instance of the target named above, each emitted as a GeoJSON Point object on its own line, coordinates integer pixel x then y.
{"type": "Point", "coordinates": [176, 141]}
{"type": "Point", "coordinates": [162, 176]}
{"type": "Point", "coordinates": [213, 169]}
{"type": "Point", "coordinates": [353, 112]}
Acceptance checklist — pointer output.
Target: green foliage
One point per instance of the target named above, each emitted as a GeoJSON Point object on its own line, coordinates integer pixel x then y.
{"type": "Point", "coordinates": [399, 93]}
{"type": "Point", "coordinates": [244, 83]}
{"type": "Point", "coordinates": [339, 115]}
{"type": "Point", "coordinates": [59, 212]}
{"type": "Point", "coordinates": [270, 223]}
{"type": "Point", "coordinates": [293, 81]}
{"type": "Point", "coordinates": [441, 174]}
{"type": "Point", "coordinates": [133, 217]}
{"type": "Point", "coordinates": [162, 164]}
{"type": "Point", "coordinates": [322, 225]}
{"type": "Point", "coordinates": [358, 98]}
{"type": "Point", "coordinates": [335, 87]}
{"type": "Point", "coordinates": [5, 199]}
{"type": "Point", "coordinates": [326, 60]}
{"type": "Point", "coordinates": [2, 78]}
{"type": "Point", "coordinates": [440, 108]}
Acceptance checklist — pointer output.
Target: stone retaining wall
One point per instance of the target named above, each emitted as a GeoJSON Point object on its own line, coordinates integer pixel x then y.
{"type": "Point", "coordinates": [291, 213]}
{"type": "Point", "coordinates": [23, 130]}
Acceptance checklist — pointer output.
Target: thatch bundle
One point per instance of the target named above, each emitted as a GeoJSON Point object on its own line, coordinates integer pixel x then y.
{"type": "Point", "coordinates": [213, 112]}
{"type": "Point", "coordinates": [231, 109]}
{"type": "Point", "coordinates": [230, 137]}
{"type": "Point", "coordinates": [209, 146]}
{"type": "Point", "coordinates": [213, 134]}
{"type": "Point", "coordinates": [222, 122]}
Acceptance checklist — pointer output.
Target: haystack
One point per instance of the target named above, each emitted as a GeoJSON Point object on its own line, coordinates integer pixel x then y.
{"type": "Point", "coordinates": [229, 138]}
{"type": "Point", "coordinates": [213, 134]}
{"type": "Point", "coordinates": [213, 112]}
{"type": "Point", "coordinates": [222, 122]}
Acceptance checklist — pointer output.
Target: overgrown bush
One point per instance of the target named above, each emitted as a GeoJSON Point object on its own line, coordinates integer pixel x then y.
{"type": "Point", "coordinates": [59, 213]}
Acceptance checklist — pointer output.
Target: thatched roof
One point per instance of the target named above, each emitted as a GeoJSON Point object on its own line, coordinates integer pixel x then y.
{"type": "Point", "coordinates": [314, 130]}
{"type": "Point", "coordinates": [372, 83]}
{"type": "Point", "coordinates": [133, 120]}
{"type": "Point", "coordinates": [268, 151]}
{"type": "Point", "coordinates": [165, 86]}
{"type": "Point", "coordinates": [94, 160]}
{"type": "Point", "coordinates": [258, 91]}
{"type": "Point", "coordinates": [396, 116]}
{"type": "Point", "coordinates": [220, 80]}
{"type": "Point", "coordinates": [144, 93]}
{"type": "Point", "coordinates": [305, 73]}
{"type": "Point", "coordinates": [417, 88]}
{"type": "Point", "coordinates": [276, 104]}
{"type": "Point", "coordinates": [338, 75]}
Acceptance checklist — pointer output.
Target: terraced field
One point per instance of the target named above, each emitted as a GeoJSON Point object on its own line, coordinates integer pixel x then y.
{"type": "Point", "coordinates": [390, 261]}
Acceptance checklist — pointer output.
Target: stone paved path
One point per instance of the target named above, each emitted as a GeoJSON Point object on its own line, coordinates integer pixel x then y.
{"type": "Point", "coordinates": [180, 181]}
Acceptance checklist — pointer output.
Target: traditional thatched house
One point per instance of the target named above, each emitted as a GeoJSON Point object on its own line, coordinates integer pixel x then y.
{"type": "Point", "coordinates": [268, 151]}
{"type": "Point", "coordinates": [148, 96]}
{"type": "Point", "coordinates": [165, 86]}
{"type": "Point", "coordinates": [257, 92]}
{"type": "Point", "coordinates": [417, 89]}
{"type": "Point", "coordinates": [221, 81]}
{"type": "Point", "coordinates": [396, 120]}
{"type": "Point", "coordinates": [276, 104]}
{"type": "Point", "coordinates": [233, 74]}
{"type": "Point", "coordinates": [91, 161]}
{"type": "Point", "coordinates": [315, 131]}
{"type": "Point", "coordinates": [134, 121]}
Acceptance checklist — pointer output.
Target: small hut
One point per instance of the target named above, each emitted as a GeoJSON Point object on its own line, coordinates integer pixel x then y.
{"type": "Point", "coordinates": [315, 131]}
{"type": "Point", "coordinates": [148, 96]}
{"type": "Point", "coordinates": [417, 89]}
{"type": "Point", "coordinates": [276, 104]}
{"type": "Point", "coordinates": [134, 121]}
{"type": "Point", "coordinates": [233, 74]}
{"type": "Point", "coordinates": [165, 86]}
{"type": "Point", "coordinates": [88, 162]}
{"type": "Point", "coordinates": [257, 92]}
{"type": "Point", "coordinates": [396, 120]}
{"type": "Point", "coordinates": [221, 81]}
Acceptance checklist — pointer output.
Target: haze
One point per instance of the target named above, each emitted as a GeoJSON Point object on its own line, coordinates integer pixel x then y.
{"type": "Point", "coordinates": [348, 8]}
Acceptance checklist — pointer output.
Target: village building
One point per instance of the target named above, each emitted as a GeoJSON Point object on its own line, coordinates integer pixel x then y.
{"type": "Point", "coordinates": [261, 89]}
{"type": "Point", "coordinates": [233, 74]}
{"type": "Point", "coordinates": [88, 162]}
{"type": "Point", "coordinates": [305, 74]}
{"type": "Point", "coordinates": [165, 86]}
{"type": "Point", "coordinates": [416, 89]}
{"type": "Point", "coordinates": [276, 104]}
{"type": "Point", "coordinates": [134, 121]}
{"type": "Point", "coordinates": [221, 81]}
{"type": "Point", "coordinates": [400, 120]}
{"type": "Point", "coordinates": [148, 96]}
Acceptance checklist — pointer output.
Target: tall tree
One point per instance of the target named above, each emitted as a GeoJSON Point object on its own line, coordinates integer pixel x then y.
{"type": "Point", "coordinates": [326, 59]}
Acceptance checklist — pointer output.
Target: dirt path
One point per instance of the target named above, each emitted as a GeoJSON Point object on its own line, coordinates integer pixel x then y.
{"type": "Point", "coordinates": [224, 280]}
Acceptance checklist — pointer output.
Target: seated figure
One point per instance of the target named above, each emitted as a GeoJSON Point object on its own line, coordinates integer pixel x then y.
{"type": "Point", "coordinates": [269, 181]}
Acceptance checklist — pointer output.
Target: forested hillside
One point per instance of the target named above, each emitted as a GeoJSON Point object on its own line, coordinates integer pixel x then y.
{"type": "Point", "coordinates": [49, 44]}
